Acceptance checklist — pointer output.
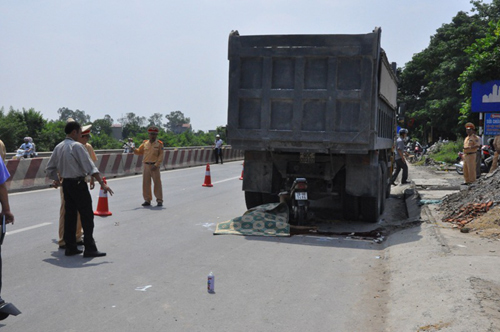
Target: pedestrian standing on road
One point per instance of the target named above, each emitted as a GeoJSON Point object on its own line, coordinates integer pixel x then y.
{"type": "Point", "coordinates": [400, 159]}
{"type": "Point", "coordinates": [152, 150]}
{"type": "Point", "coordinates": [84, 139]}
{"type": "Point", "coordinates": [471, 145]}
{"type": "Point", "coordinates": [218, 149]}
{"type": "Point", "coordinates": [496, 147]}
{"type": "Point", "coordinates": [6, 309]}
{"type": "Point", "coordinates": [71, 160]}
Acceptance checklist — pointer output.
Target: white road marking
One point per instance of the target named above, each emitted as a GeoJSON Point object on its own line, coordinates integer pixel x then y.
{"type": "Point", "coordinates": [143, 289]}
{"type": "Point", "coordinates": [28, 228]}
{"type": "Point", "coordinates": [230, 179]}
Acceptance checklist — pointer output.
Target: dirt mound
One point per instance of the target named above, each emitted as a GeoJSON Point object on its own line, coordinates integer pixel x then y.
{"type": "Point", "coordinates": [476, 208]}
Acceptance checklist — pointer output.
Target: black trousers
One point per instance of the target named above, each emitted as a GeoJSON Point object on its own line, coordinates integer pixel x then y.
{"type": "Point", "coordinates": [218, 155]}
{"type": "Point", "coordinates": [77, 199]}
{"type": "Point", "coordinates": [400, 164]}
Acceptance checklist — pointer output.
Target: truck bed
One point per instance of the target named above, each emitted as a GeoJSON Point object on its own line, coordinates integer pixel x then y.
{"type": "Point", "coordinates": [310, 93]}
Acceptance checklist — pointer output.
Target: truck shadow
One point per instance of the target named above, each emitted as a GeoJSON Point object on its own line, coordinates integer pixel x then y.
{"type": "Point", "coordinates": [330, 230]}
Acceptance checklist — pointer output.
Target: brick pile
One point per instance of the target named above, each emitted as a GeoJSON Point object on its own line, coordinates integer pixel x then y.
{"type": "Point", "coordinates": [464, 206]}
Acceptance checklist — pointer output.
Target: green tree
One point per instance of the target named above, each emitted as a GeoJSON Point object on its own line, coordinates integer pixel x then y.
{"type": "Point", "coordinates": [102, 126]}
{"type": "Point", "coordinates": [429, 82]}
{"type": "Point", "coordinates": [105, 142]}
{"type": "Point", "coordinates": [156, 120]}
{"type": "Point", "coordinates": [34, 122]}
{"type": "Point", "coordinates": [12, 129]}
{"type": "Point", "coordinates": [485, 64]}
{"type": "Point", "coordinates": [175, 120]}
{"type": "Point", "coordinates": [131, 118]}
{"type": "Point", "coordinates": [79, 116]}
{"type": "Point", "coordinates": [51, 135]}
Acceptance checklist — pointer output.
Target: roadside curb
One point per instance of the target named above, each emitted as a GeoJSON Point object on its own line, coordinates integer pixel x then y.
{"type": "Point", "coordinates": [440, 279]}
{"type": "Point", "coordinates": [413, 210]}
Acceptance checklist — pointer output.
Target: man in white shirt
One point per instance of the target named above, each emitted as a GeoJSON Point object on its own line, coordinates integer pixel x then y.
{"type": "Point", "coordinates": [218, 149]}
{"type": "Point", "coordinates": [71, 160]}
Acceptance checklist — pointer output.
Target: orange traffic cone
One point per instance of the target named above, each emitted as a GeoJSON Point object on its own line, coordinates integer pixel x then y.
{"type": "Point", "coordinates": [241, 177]}
{"type": "Point", "coordinates": [208, 180]}
{"type": "Point", "coordinates": [102, 204]}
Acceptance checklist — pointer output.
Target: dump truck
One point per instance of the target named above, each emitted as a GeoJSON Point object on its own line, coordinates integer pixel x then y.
{"type": "Point", "coordinates": [319, 107]}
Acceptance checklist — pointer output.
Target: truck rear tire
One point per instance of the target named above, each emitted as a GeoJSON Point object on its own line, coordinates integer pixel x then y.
{"type": "Point", "coordinates": [253, 199]}
{"type": "Point", "coordinates": [385, 186]}
{"type": "Point", "coordinates": [350, 207]}
{"type": "Point", "coordinates": [371, 206]}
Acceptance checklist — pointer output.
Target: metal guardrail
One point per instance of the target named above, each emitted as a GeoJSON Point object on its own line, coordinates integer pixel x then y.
{"type": "Point", "coordinates": [113, 151]}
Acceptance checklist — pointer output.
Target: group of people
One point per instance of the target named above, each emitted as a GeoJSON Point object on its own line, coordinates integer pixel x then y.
{"type": "Point", "coordinates": [472, 157]}
{"type": "Point", "coordinates": [28, 148]}
{"type": "Point", "coordinates": [472, 154]}
{"type": "Point", "coordinates": [71, 166]}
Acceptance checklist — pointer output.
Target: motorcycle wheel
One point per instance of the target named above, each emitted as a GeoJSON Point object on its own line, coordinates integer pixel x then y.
{"type": "Point", "coordinates": [459, 170]}
{"type": "Point", "coordinates": [300, 215]}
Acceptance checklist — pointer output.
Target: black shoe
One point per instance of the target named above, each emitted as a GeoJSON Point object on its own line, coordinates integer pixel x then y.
{"type": "Point", "coordinates": [405, 182]}
{"type": "Point", "coordinates": [160, 204]}
{"type": "Point", "coordinates": [73, 252]}
{"type": "Point", "coordinates": [62, 247]}
{"type": "Point", "coordinates": [146, 204]}
{"type": "Point", "coordinates": [96, 253]}
{"type": "Point", "coordinates": [393, 183]}
{"type": "Point", "coordinates": [79, 243]}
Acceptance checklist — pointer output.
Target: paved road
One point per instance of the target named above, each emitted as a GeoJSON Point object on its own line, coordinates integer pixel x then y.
{"type": "Point", "coordinates": [154, 276]}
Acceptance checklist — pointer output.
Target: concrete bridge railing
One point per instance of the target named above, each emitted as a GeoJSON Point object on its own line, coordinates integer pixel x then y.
{"type": "Point", "coordinates": [26, 174]}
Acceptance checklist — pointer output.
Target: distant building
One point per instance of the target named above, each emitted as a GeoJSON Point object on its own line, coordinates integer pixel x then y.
{"type": "Point", "coordinates": [116, 130]}
{"type": "Point", "coordinates": [182, 128]}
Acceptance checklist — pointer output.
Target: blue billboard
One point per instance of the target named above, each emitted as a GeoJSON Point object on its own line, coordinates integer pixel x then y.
{"type": "Point", "coordinates": [486, 97]}
{"type": "Point", "coordinates": [492, 124]}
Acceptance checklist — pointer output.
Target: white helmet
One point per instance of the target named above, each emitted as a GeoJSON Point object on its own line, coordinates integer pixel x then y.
{"type": "Point", "coordinates": [217, 136]}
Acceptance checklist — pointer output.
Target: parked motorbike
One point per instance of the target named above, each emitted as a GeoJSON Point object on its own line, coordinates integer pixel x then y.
{"type": "Point", "coordinates": [419, 151]}
{"type": "Point", "coordinates": [19, 154]}
{"type": "Point", "coordinates": [486, 160]}
{"type": "Point", "coordinates": [459, 165]}
{"type": "Point", "coordinates": [300, 201]}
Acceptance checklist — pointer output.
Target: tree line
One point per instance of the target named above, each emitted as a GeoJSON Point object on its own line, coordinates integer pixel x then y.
{"type": "Point", "coordinates": [435, 86]}
{"type": "Point", "coordinates": [16, 124]}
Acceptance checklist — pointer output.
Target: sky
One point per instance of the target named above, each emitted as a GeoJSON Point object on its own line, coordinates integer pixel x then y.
{"type": "Point", "coordinates": [157, 56]}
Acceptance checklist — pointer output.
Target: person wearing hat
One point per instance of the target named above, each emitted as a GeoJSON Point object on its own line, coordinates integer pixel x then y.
{"type": "Point", "coordinates": [84, 139]}
{"type": "Point", "coordinates": [218, 149]}
{"type": "Point", "coordinates": [71, 162]}
{"type": "Point", "coordinates": [471, 146]}
{"type": "Point", "coordinates": [27, 147]}
{"type": "Point", "coordinates": [152, 150]}
{"type": "Point", "coordinates": [129, 146]}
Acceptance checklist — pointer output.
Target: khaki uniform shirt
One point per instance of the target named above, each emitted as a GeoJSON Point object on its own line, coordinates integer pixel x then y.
{"type": "Point", "coordinates": [496, 143]}
{"type": "Point", "coordinates": [471, 144]}
{"type": "Point", "coordinates": [153, 152]}
{"type": "Point", "coordinates": [91, 152]}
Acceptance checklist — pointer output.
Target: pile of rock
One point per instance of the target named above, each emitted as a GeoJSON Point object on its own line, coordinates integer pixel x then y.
{"type": "Point", "coordinates": [464, 206]}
